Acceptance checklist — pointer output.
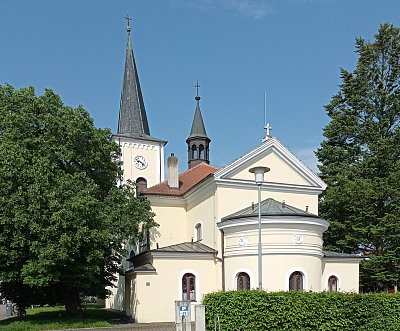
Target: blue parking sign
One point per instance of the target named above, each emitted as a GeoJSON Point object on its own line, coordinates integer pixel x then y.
{"type": "Point", "coordinates": [184, 311]}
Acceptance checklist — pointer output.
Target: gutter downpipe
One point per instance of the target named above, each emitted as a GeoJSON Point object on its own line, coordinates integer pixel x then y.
{"type": "Point", "coordinates": [223, 259]}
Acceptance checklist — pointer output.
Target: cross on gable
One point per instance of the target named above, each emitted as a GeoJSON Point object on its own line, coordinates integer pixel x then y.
{"type": "Point", "coordinates": [268, 128]}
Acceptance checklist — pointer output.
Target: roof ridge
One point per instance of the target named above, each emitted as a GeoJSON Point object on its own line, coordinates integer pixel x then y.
{"type": "Point", "coordinates": [187, 180]}
{"type": "Point", "coordinates": [198, 165]}
{"type": "Point", "coordinates": [191, 246]}
{"type": "Point", "coordinates": [247, 153]}
{"type": "Point", "coordinates": [295, 155]}
{"type": "Point", "coordinates": [328, 253]}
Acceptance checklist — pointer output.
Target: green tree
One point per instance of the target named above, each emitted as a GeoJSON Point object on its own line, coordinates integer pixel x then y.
{"type": "Point", "coordinates": [360, 160]}
{"type": "Point", "coordinates": [63, 221]}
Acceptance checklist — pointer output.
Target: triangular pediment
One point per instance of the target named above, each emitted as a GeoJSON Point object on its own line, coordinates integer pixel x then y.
{"type": "Point", "coordinates": [285, 168]}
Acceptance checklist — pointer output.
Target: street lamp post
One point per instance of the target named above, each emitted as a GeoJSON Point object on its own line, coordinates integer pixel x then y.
{"type": "Point", "coordinates": [259, 179]}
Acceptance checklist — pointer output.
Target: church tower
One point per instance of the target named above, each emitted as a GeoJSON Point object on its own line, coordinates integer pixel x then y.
{"type": "Point", "coordinates": [198, 141]}
{"type": "Point", "coordinates": [142, 154]}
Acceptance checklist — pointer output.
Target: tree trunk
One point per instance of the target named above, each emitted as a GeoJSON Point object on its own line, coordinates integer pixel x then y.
{"type": "Point", "coordinates": [73, 303]}
{"type": "Point", "coordinates": [21, 312]}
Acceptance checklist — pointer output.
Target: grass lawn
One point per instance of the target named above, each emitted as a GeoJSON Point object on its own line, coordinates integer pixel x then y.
{"type": "Point", "coordinates": [55, 318]}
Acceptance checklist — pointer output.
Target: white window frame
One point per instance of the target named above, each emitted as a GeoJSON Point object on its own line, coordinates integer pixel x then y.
{"type": "Point", "coordinates": [201, 231]}
{"type": "Point", "coordinates": [339, 282]}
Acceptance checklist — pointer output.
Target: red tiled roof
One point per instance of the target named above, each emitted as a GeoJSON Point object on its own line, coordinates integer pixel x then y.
{"type": "Point", "coordinates": [187, 180]}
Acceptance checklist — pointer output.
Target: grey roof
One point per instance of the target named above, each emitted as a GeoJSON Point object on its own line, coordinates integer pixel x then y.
{"type": "Point", "coordinates": [341, 255]}
{"type": "Point", "coordinates": [142, 268]}
{"type": "Point", "coordinates": [269, 207]}
{"type": "Point", "coordinates": [198, 129]}
{"type": "Point", "coordinates": [145, 267]}
{"type": "Point", "coordinates": [142, 137]}
{"type": "Point", "coordinates": [187, 247]}
{"type": "Point", "coordinates": [132, 121]}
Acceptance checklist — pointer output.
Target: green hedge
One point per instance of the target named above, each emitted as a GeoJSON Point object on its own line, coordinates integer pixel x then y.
{"type": "Point", "coordinates": [259, 310]}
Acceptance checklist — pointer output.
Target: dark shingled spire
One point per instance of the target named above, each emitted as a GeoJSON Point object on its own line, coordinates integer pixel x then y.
{"type": "Point", "coordinates": [132, 114]}
{"type": "Point", "coordinates": [198, 128]}
{"type": "Point", "coordinates": [198, 142]}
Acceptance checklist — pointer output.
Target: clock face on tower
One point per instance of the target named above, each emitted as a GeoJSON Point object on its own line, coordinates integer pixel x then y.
{"type": "Point", "coordinates": [140, 162]}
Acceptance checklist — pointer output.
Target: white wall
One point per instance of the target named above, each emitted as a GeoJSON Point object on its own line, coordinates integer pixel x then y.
{"type": "Point", "coordinates": [157, 292]}
{"type": "Point", "coordinates": [347, 272]}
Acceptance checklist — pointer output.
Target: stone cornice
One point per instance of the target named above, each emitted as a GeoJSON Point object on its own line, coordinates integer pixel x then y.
{"type": "Point", "coordinates": [275, 220]}
{"type": "Point", "coordinates": [279, 187]}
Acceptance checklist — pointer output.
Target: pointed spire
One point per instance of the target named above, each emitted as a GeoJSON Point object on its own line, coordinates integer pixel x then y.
{"type": "Point", "coordinates": [132, 120]}
{"type": "Point", "coordinates": [198, 142]}
{"type": "Point", "coordinates": [198, 128]}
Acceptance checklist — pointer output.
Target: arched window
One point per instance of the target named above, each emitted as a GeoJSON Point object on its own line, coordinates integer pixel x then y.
{"type": "Point", "coordinates": [198, 230]}
{"type": "Point", "coordinates": [243, 281]}
{"type": "Point", "coordinates": [194, 151]}
{"type": "Point", "coordinates": [189, 287]}
{"type": "Point", "coordinates": [141, 185]}
{"type": "Point", "coordinates": [201, 152]}
{"type": "Point", "coordinates": [296, 281]}
{"type": "Point", "coordinates": [131, 256]}
{"type": "Point", "coordinates": [332, 284]}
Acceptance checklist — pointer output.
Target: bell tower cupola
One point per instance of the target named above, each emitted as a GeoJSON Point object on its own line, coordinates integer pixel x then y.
{"type": "Point", "coordinates": [198, 141]}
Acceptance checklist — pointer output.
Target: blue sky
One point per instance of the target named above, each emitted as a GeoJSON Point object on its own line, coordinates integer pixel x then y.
{"type": "Point", "coordinates": [237, 49]}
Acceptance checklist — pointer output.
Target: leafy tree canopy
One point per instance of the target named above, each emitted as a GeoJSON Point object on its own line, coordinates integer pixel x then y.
{"type": "Point", "coordinates": [360, 160]}
{"type": "Point", "coordinates": [63, 221]}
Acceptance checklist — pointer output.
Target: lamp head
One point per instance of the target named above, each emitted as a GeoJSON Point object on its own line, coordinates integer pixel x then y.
{"type": "Point", "coordinates": [259, 173]}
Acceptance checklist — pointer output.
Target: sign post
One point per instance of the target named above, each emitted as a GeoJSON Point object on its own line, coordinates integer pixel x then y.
{"type": "Point", "coordinates": [182, 315]}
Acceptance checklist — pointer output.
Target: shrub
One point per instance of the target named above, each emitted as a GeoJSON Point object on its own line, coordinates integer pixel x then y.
{"type": "Point", "coordinates": [259, 310]}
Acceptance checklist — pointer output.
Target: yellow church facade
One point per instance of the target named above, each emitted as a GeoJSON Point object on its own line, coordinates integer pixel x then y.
{"type": "Point", "coordinates": [210, 220]}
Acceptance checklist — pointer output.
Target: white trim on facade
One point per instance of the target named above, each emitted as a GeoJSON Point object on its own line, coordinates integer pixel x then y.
{"type": "Point", "coordinates": [266, 220]}
{"type": "Point", "coordinates": [272, 144]}
{"type": "Point", "coordinates": [161, 163]}
{"type": "Point", "coordinates": [166, 201]}
{"type": "Point", "coordinates": [271, 249]}
{"type": "Point", "coordinates": [277, 187]}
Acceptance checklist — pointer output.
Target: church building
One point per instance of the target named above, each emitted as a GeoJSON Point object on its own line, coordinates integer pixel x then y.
{"type": "Point", "coordinates": [219, 229]}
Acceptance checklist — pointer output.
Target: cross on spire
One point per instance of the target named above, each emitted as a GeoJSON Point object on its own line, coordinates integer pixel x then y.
{"type": "Point", "coordinates": [128, 19]}
{"type": "Point", "coordinates": [197, 86]}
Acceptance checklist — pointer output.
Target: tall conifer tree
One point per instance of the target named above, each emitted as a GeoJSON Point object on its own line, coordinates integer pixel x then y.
{"type": "Point", "coordinates": [360, 160]}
